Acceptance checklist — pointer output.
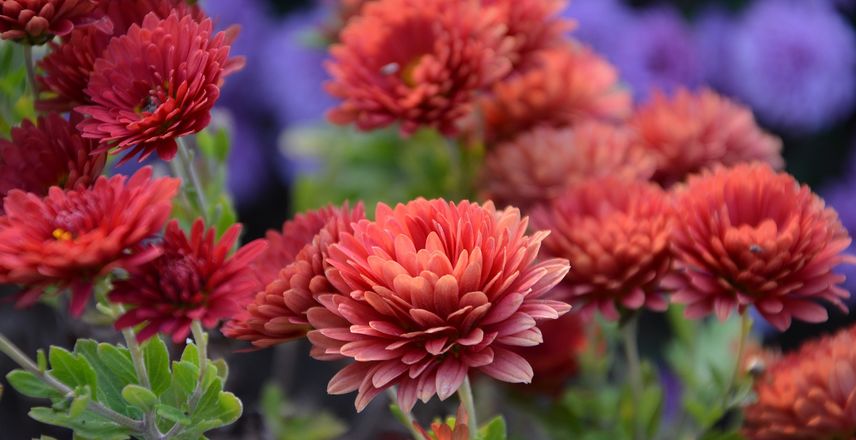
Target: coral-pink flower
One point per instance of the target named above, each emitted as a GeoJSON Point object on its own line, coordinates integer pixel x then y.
{"type": "Point", "coordinates": [37, 21]}
{"type": "Point", "coordinates": [532, 26]}
{"type": "Point", "coordinates": [429, 292]}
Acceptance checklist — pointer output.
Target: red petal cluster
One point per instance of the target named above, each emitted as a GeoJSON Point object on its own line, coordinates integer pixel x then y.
{"type": "Point", "coordinates": [50, 153]}
{"type": "Point", "coordinates": [557, 359]}
{"type": "Point", "coordinates": [616, 235]}
{"type": "Point", "coordinates": [749, 236]}
{"type": "Point", "coordinates": [539, 165]}
{"type": "Point", "coordinates": [155, 84]}
{"type": "Point", "coordinates": [533, 26]}
{"type": "Point", "coordinates": [37, 21]}
{"type": "Point", "coordinates": [565, 86]}
{"type": "Point", "coordinates": [809, 394]}
{"type": "Point", "coordinates": [415, 62]}
{"type": "Point", "coordinates": [692, 131]}
{"type": "Point", "coordinates": [194, 278]}
{"type": "Point", "coordinates": [71, 238]}
{"type": "Point", "coordinates": [456, 429]}
{"type": "Point", "coordinates": [429, 291]}
{"type": "Point", "coordinates": [278, 314]}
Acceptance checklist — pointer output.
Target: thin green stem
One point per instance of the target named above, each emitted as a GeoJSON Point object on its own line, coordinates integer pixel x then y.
{"type": "Point", "coordinates": [745, 328]}
{"type": "Point", "coordinates": [465, 393]}
{"type": "Point", "coordinates": [629, 338]}
{"type": "Point", "coordinates": [31, 70]}
{"type": "Point", "coordinates": [14, 353]}
{"type": "Point", "coordinates": [149, 418]}
{"type": "Point", "coordinates": [185, 158]}
{"type": "Point", "coordinates": [408, 417]}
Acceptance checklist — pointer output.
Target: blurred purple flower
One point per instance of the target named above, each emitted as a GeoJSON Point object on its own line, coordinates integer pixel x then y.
{"type": "Point", "coordinates": [599, 24]}
{"type": "Point", "coordinates": [796, 61]}
{"type": "Point", "coordinates": [713, 31]}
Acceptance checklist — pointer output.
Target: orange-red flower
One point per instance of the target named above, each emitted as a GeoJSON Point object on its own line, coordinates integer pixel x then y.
{"type": "Point", "coordinates": [48, 153]}
{"type": "Point", "coordinates": [71, 238]}
{"type": "Point", "coordinates": [37, 21]}
{"type": "Point", "coordinates": [565, 86]}
{"type": "Point", "coordinates": [194, 278]}
{"type": "Point", "coordinates": [539, 165]}
{"type": "Point", "coordinates": [532, 26]}
{"type": "Point", "coordinates": [616, 235]}
{"type": "Point", "coordinates": [809, 394]}
{"type": "Point", "coordinates": [749, 236]}
{"type": "Point", "coordinates": [293, 271]}
{"type": "Point", "coordinates": [428, 292]}
{"type": "Point", "coordinates": [692, 131]}
{"type": "Point", "coordinates": [449, 429]}
{"type": "Point", "coordinates": [557, 359]}
{"type": "Point", "coordinates": [416, 63]}
{"type": "Point", "coordinates": [156, 84]}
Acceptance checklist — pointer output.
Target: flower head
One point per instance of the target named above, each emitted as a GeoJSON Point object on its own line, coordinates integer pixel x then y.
{"type": "Point", "coordinates": [616, 234]}
{"type": "Point", "coordinates": [428, 292]}
{"type": "Point", "coordinates": [748, 236]}
{"type": "Point", "coordinates": [37, 21]}
{"type": "Point", "coordinates": [70, 238]}
{"type": "Point", "coordinates": [532, 26]}
{"type": "Point", "coordinates": [155, 84]}
{"type": "Point", "coordinates": [48, 153]}
{"type": "Point", "coordinates": [449, 429]}
{"type": "Point", "coordinates": [415, 62]}
{"type": "Point", "coordinates": [194, 278]}
{"type": "Point", "coordinates": [691, 131]}
{"type": "Point", "coordinates": [567, 85]}
{"type": "Point", "coordinates": [539, 165]}
{"type": "Point", "coordinates": [809, 394]}
{"type": "Point", "coordinates": [278, 314]}
{"type": "Point", "coordinates": [557, 359]}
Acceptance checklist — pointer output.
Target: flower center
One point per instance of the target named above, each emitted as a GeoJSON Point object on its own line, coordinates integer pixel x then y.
{"type": "Point", "coordinates": [61, 234]}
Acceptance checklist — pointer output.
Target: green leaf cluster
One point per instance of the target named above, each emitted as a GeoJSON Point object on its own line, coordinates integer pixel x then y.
{"type": "Point", "coordinates": [286, 421]}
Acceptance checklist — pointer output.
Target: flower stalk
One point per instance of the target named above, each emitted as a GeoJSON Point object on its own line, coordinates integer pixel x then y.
{"type": "Point", "coordinates": [465, 393]}
{"type": "Point", "coordinates": [629, 339]}
{"type": "Point", "coordinates": [184, 167]}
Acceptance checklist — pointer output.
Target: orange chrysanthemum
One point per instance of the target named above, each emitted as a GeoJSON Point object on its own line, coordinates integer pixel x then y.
{"type": "Point", "coordinates": [565, 86]}
{"type": "Point", "coordinates": [428, 292]}
{"type": "Point", "coordinates": [539, 165]}
{"type": "Point", "coordinates": [278, 314]}
{"type": "Point", "coordinates": [749, 236]}
{"type": "Point", "coordinates": [808, 395]}
{"type": "Point", "coordinates": [616, 235]}
{"type": "Point", "coordinates": [37, 21]}
{"type": "Point", "coordinates": [692, 131]}
{"type": "Point", "coordinates": [532, 26]}
{"type": "Point", "coordinates": [416, 63]}
{"type": "Point", "coordinates": [71, 238]}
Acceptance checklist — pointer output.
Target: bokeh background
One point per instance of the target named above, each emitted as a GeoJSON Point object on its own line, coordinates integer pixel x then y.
{"type": "Point", "coordinates": [792, 61]}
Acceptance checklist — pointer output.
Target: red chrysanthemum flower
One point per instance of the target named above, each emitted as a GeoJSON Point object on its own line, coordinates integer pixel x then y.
{"type": "Point", "coordinates": [68, 65]}
{"type": "Point", "coordinates": [539, 165]}
{"type": "Point", "coordinates": [616, 235]}
{"type": "Point", "coordinates": [565, 86]}
{"type": "Point", "coordinates": [156, 84]}
{"type": "Point", "coordinates": [748, 236]}
{"type": "Point", "coordinates": [415, 62]}
{"type": "Point", "coordinates": [429, 291]}
{"type": "Point", "coordinates": [807, 395]}
{"type": "Point", "coordinates": [532, 25]}
{"type": "Point", "coordinates": [71, 238]}
{"type": "Point", "coordinates": [692, 131]}
{"type": "Point", "coordinates": [50, 153]}
{"type": "Point", "coordinates": [278, 314]}
{"type": "Point", "coordinates": [557, 359]}
{"type": "Point", "coordinates": [37, 21]}
{"type": "Point", "coordinates": [194, 278]}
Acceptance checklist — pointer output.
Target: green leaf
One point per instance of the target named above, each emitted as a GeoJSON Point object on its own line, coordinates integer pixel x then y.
{"type": "Point", "coordinates": [87, 425]}
{"type": "Point", "coordinates": [30, 385]}
{"type": "Point", "coordinates": [71, 369]}
{"type": "Point", "coordinates": [172, 414]}
{"type": "Point", "coordinates": [80, 402]}
{"type": "Point", "coordinates": [41, 360]}
{"type": "Point", "coordinates": [222, 368]}
{"type": "Point", "coordinates": [113, 370]}
{"type": "Point", "coordinates": [156, 358]}
{"type": "Point", "coordinates": [214, 143]}
{"type": "Point", "coordinates": [184, 376]}
{"type": "Point", "coordinates": [190, 354]}
{"type": "Point", "coordinates": [494, 430]}
{"type": "Point", "coordinates": [140, 397]}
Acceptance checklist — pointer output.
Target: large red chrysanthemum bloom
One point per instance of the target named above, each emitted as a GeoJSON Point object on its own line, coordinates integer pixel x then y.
{"type": "Point", "coordinates": [37, 21]}
{"type": "Point", "coordinates": [415, 62]}
{"type": "Point", "coordinates": [809, 394]}
{"type": "Point", "coordinates": [68, 65]}
{"type": "Point", "coordinates": [156, 84]}
{"type": "Point", "coordinates": [692, 131]}
{"type": "Point", "coordinates": [48, 153]}
{"type": "Point", "coordinates": [278, 314]}
{"type": "Point", "coordinates": [564, 87]}
{"type": "Point", "coordinates": [539, 165]}
{"type": "Point", "coordinates": [532, 26]}
{"type": "Point", "coordinates": [557, 359]}
{"type": "Point", "coordinates": [749, 236]}
{"type": "Point", "coordinates": [616, 235]}
{"type": "Point", "coordinates": [194, 278]}
{"type": "Point", "coordinates": [71, 238]}
{"type": "Point", "coordinates": [428, 292]}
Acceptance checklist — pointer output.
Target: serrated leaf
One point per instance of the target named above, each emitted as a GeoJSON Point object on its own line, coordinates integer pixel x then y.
{"type": "Point", "coordinates": [140, 397]}
{"type": "Point", "coordinates": [87, 425]}
{"type": "Point", "coordinates": [172, 414]}
{"type": "Point", "coordinates": [71, 369]}
{"type": "Point", "coordinates": [156, 358]}
{"type": "Point", "coordinates": [493, 430]}
{"type": "Point", "coordinates": [30, 385]}
{"type": "Point", "coordinates": [113, 370]}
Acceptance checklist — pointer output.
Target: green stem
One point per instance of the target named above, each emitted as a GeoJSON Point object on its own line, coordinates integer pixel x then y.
{"type": "Point", "coordinates": [745, 328]}
{"type": "Point", "coordinates": [149, 418]}
{"type": "Point", "coordinates": [408, 417]}
{"type": "Point", "coordinates": [201, 339]}
{"type": "Point", "coordinates": [31, 71]}
{"type": "Point", "coordinates": [629, 338]}
{"type": "Point", "coordinates": [185, 161]}
{"type": "Point", "coordinates": [14, 353]}
{"type": "Point", "coordinates": [465, 393]}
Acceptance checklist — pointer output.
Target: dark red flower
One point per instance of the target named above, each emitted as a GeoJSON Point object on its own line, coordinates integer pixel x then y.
{"type": "Point", "coordinates": [430, 291]}
{"type": "Point", "coordinates": [278, 314]}
{"type": "Point", "coordinates": [615, 233]}
{"type": "Point", "coordinates": [71, 238]}
{"type": "Point", "coordinates": [37, 21]}
{"type": "Point", "coordinates": [557, 359]}
{"type": "Point", "coordinates": [156, 84]}
{"type": "Point", "coordinates": [532, 26]}
{"type": "Point", "coordinates": [749, 236]}
{"type": "Point", "coordinates": [414, 62]}
{"type": "Point", "coordinates": [194, 278]}
{"type": "Point", "coordinates": [51, 153]}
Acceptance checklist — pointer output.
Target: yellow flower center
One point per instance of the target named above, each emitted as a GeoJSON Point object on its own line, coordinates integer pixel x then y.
{"type": "Point", "coordinates": [61, 234]}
